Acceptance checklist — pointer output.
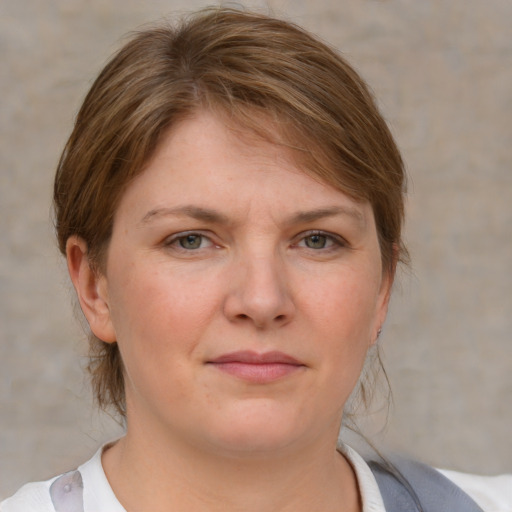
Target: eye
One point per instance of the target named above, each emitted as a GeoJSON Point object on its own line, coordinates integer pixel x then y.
{"type": "Point", "coordinates": [321, 241]}
{"type": "Point", "coordinates": [192, 241]}
{"type": "Point", "coordinates": [188, 242]}
{"type": "Point", "coordinates": [316, 241]}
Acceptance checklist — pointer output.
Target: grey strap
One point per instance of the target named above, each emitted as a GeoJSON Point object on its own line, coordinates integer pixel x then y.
{"type": "Point", "coordinates": [67, 493]}
{"type": "Point", "coordinates": [409, 486]}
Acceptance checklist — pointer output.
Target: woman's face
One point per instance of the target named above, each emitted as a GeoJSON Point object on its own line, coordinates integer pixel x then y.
{"type": "Point", "coordinates": [242, 292]}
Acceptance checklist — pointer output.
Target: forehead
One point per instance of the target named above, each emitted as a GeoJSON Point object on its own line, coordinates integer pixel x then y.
{"type": "Point", "coordinates": [204, 161]}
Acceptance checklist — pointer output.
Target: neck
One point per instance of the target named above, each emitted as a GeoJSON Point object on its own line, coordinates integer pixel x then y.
{"type": "Point", "coordinates": [148, 474]}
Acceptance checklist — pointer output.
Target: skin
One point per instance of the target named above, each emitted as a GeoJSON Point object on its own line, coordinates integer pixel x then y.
{"type": "Point", "coordinates": [274, 261]}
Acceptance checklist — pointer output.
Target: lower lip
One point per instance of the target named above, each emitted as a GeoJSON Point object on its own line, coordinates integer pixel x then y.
{"type": "Point", "coordinates": [258, 372]}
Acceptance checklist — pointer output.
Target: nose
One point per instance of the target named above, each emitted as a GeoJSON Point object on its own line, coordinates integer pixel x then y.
{"type": "Point", "coordinates": [259, 293]}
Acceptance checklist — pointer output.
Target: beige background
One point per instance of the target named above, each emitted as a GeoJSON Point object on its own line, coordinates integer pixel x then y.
{"type": "Point", "coordinates": [442, 71]}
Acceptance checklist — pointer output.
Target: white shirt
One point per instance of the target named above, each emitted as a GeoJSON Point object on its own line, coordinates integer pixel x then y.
{"type": "Point", "coordinates": [493, 494]}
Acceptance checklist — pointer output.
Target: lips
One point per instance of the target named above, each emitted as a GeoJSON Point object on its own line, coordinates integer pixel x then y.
{"type": "Point", "coordinates": [257, 368]}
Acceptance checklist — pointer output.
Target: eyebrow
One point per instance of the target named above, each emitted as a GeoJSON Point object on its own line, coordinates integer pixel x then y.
{"type": "Point", "coordinates": [321, 213]}
{"type": "Point", "coordinates": [196, 212]}
{"type": "Point", "coordinates": [213, 216]}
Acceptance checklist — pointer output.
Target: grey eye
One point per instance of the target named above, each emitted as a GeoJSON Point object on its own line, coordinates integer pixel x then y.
{"type": "Point", "coordinates": [316, 241]}
{"type": "Point", "coordinates": [191, 241]}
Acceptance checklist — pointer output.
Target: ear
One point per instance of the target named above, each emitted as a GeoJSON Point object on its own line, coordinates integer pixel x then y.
{"type": "Point", "coordinates": [91, 289]}
{"type": "Point", "coordinates": [386, 285]}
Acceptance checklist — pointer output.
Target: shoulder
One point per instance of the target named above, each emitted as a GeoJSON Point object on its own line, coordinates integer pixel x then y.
{"type": "Point", "coordinates": [60, 493]}
{"type": "Point", "coordinates": [435, 489]}
{"type": "Point", "coordinates": [32, 497]}
{"type": "Point", "coordinates": [492, 493]}
{"type": "Point", "coordinates": [85, 489]}
{"type": "Point", "coordinates": [384, 485]}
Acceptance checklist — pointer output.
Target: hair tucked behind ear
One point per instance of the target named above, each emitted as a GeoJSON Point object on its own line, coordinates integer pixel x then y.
{"type": "Point", "coordinates": [106, 368]}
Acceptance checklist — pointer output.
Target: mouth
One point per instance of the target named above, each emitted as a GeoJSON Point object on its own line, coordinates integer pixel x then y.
{"type": "Point", "coordinates": [257, 368]}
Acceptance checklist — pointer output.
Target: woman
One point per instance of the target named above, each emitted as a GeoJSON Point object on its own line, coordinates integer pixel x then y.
{"type": "Point", "coordinates": [230, 205]}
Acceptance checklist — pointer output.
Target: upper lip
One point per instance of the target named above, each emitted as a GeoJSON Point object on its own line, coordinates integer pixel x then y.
{"type": "Point", "coordinates": [250, 357]}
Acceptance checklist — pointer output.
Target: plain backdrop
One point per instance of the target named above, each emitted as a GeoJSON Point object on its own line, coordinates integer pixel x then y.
{"type": "Point", "coordinates": [442, 73]}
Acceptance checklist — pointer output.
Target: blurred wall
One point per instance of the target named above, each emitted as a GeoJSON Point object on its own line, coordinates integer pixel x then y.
{"type": "Point", "coordinates": [442, 72]}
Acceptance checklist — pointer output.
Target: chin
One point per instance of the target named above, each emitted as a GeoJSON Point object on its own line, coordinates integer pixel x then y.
{"type": "Point", "coordinates": [257, 432]}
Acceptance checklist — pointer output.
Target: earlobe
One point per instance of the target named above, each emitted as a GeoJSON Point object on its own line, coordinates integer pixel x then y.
{"type": "Point", "coordinates": [91, 289]}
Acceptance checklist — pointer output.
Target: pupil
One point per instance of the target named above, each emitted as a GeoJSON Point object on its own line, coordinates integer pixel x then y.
{"type": "Point", "coordinates": [191, 242]}
{"type": "Point", "coordinates": [316, 242]}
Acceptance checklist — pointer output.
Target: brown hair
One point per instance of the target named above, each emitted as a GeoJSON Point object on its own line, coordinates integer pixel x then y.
{"type": "Point", "coordinates": [259, 72]}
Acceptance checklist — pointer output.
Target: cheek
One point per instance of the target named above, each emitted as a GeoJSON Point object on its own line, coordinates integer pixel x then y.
{"type": "Point", "coordinates": [159, 309]}
{"type": "Point", "coordinates": [160, 320]}
{"type": "Point", "coordinates": [344, 315]}
{"type": "Point", "coordinates": [345, 305]}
